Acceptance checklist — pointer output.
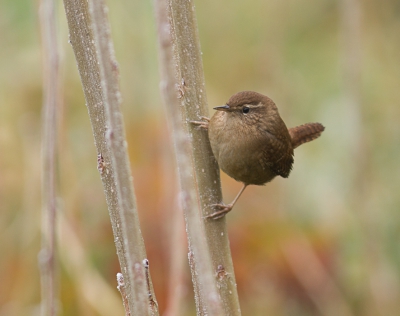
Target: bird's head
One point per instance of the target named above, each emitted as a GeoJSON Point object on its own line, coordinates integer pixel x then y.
{"type": "Point", "coordinates": [249, 106]}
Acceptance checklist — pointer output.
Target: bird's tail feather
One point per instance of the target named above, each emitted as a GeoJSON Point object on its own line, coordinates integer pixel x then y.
{"type": "Point", "coordinates": [305, 133]}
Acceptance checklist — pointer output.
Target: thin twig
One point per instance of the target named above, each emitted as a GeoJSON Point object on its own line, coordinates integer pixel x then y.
{"type": "Point", "coordinates": [121, 289]}
{"type": "Point", "coordinates": [93, 48]}
{"type": "Point", "coordinates": [51, 84]}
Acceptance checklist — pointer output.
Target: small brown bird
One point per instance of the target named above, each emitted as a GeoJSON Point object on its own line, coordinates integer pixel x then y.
{"type": "Point", "coordinates": [251, 143]}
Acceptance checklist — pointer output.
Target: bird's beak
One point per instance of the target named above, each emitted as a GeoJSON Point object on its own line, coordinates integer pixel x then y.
{"type": "Point", "coordinates": [224, 108]}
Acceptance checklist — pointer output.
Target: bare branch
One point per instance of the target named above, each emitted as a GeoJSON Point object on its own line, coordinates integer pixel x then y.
{"type": "Point", "coordinates": [51, 85]}
{"type": "Point", "coordinates": [183, 88]}
{"type": "Point", "coordinates": [93, 48]}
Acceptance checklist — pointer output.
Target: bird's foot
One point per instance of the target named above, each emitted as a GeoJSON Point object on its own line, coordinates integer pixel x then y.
{"type": "Point", "coordinates": [222, 209]}
{"type": "Point", "coordinates": [203, 123]}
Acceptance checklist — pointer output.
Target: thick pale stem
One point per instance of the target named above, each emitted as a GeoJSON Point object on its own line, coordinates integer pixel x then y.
{"type": "Point", "coordinates": [184, 93]}
{"type": "Point", "coordinates": [93, 48]}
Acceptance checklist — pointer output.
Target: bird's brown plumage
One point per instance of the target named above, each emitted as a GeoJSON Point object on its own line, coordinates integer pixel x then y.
{"type": "Point", "coordinates": [251, 142]}
{"type": "Point", "coordinates": [251, 147]}
{"type": "Point", "coordinates": [305, 133]}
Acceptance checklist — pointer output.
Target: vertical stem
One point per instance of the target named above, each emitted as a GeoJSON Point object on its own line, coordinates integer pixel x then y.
{"type": "Point", "coordinates": [206, 296]}
{"type": "Point", "coordinates": [183, 88]}
{"type": "Point", "coordinates": [51, 84]}
{"type": "Point", "coordinates": [93, 48]}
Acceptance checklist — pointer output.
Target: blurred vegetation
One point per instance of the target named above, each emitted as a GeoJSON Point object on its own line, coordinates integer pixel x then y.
{"type": "Point", "coordinates": [323, 242]}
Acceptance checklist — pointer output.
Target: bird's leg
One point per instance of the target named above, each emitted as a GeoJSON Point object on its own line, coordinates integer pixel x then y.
{"type": "Point", "coordinates": [223, 209]}
{"type": "Point", "coordinates": [203, 123]}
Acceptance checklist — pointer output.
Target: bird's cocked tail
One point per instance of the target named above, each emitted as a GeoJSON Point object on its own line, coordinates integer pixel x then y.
{"type": "Point", "coordinates": [305, 133]}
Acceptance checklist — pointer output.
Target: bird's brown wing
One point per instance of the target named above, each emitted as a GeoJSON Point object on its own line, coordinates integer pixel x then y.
{"type": "Point", "coordinates": [277, 155]}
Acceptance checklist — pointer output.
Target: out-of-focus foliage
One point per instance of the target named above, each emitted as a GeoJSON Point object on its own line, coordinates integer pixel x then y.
{"type": "Point", "coordinates": [325, 241]}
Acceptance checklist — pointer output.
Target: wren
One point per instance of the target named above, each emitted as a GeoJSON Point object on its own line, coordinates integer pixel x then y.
{"type": "Point", "coordinates": [251, 143]}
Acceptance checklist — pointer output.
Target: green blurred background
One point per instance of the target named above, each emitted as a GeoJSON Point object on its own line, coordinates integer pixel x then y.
{"type": "Point", "coordinates": [323, 242]}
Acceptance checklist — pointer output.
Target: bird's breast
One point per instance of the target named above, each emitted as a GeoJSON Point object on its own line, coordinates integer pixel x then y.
{"type": "Point", "coordinates": [238, 151]}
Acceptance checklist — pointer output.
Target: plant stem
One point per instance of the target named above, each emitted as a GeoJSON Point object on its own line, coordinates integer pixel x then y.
{"type": "Point", "coordinates": [93, 48]}
{"type": "Point", "coordinates": [183, 88]}
{"type": "Point", "coordinates": [51, 86]}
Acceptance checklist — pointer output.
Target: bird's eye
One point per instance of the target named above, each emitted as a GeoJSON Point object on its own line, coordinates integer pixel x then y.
{"type": "Point", "coordinates": [245, 110]}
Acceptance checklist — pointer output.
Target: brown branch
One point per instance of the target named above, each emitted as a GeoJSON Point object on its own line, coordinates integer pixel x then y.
{"type": "Point", "coordinates": [183, 88]}
{"type": "Point", "coordinates": [51, 85]}
{"type": "Point", "coordinates": [93, 48]}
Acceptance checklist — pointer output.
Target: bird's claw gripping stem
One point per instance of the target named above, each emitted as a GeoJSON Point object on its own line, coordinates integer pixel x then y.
{"type": "Point", "coordinates": [203, 123]}
{"type": "Point", "coordinates": [222, 211]}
